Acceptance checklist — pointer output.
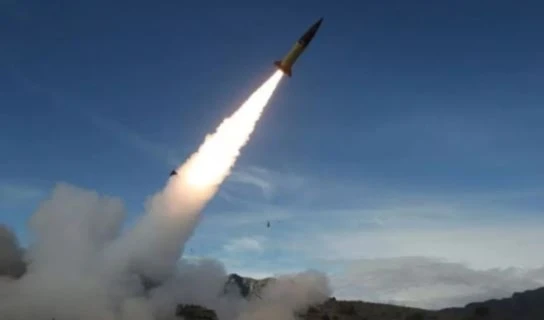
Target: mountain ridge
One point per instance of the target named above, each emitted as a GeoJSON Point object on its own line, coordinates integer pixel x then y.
{"type": "Point", "coordinates": [525, 305]}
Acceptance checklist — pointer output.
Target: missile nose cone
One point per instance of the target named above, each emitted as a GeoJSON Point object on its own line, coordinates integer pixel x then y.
{"type": "Point", "coordinates": [312, 30]}
{"type": "Point", "coordinates": [318, 23]}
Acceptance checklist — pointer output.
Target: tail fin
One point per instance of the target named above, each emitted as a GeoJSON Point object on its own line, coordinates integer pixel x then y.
{"type": "Point", "coordinates": [285, 69]}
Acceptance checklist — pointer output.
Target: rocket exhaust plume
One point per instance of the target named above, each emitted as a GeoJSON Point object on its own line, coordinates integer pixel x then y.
{"type": "Point", "coordinates": [156, 242]}
{"type": "Point", "coordinates": [211, 164]}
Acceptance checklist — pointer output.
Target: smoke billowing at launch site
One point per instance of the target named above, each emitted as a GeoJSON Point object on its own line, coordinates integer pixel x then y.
{"type": "Point", "coordinates": [79, 265]}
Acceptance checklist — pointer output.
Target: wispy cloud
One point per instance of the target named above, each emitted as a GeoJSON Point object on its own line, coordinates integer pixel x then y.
{"type": "Point", "coordinates": [271, 184]}
{"type": "Point", "coordinates": [249, 176]}
{"type": "Point", "coordinates": [244, 244]}
{"type": "Point", "coordinates": [480, 247]}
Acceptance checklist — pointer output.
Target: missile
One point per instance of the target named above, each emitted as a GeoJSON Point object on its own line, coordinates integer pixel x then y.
{"type": "Point", "coordinates": [287, 62]}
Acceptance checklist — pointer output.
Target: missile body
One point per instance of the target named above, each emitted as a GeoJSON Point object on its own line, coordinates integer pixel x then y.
{"type": "Point", "coordinates": [287, 62]}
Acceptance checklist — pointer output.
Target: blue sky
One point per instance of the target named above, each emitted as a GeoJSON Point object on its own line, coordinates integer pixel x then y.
{"type": "Point", "coordinates": [407, 129]}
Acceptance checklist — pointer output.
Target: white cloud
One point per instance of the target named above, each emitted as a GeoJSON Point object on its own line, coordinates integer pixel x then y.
{"type": "Point", "coordinates": [244, 244]}
{"type": "Point", "coordinates": [249, 177]}
{"type": "Point", "coordinates": [478, 247]}
{"type": "Point", "coordinates": [428, 283]}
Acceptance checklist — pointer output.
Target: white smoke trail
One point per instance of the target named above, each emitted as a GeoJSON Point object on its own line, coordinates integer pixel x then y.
{"type": "Point", "coordinates": [154, 245]}
{"type": "Point", "coordinates": [211, 164]}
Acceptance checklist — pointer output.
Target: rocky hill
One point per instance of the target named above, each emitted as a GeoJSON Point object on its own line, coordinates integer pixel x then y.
{"type": "Point", "coordinates": [247, 287]}
{"type": "Point", "coordinates": [528, 305]}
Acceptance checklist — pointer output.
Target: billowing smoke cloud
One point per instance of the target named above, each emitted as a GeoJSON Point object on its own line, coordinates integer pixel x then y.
{"type": "Point", "coordinates": [65, 276]}
{"type": "Point", "coordinates": [72, 274]}
{"type": "Point", "coordinates": [81, 266]}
